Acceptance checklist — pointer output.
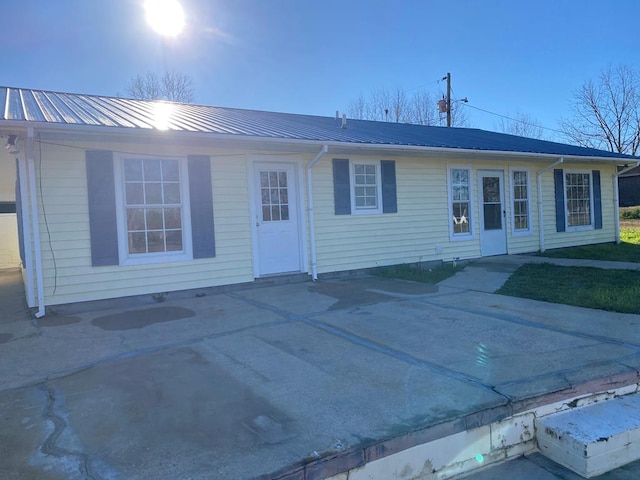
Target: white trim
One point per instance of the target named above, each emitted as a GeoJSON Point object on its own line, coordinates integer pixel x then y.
{"type": "Point", "coordinates": [152, 258]}
{"type": "Point", "coordinates": [578, 228]}
{"type": "Point", "coordinates": [459, 237]}
{"type": "Point", "coordinates": [529, 230]}
{"type": "Point", "coordinates": [378, 210]}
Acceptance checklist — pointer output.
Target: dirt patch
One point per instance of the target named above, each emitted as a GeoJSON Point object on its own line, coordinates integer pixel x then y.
{"type": "Point", "coordinates": [356, 292]}
{"type": "Point", "coordinates": [133, 319]}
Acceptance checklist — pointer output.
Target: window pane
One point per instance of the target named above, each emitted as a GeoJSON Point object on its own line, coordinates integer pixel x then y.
{"type": "Point", "coordinates": [152, 170]}
{"type": "Point", "coordinates": [266, 214]}
{"type": "Point", "coordinates": [134, 194]}
{"type": "Point", "coordinates": [284, 196]}
{"type": "Point", "coordinates": [492, 216]}
{"type": "Point", "coordinates": [264, 179]}
{"type": "Point", "coordinates": [154, 219]}
{"type": "Point", "coordinates": [491, 189]}
{"type": "Point", "coordinates": [172, 218]}
{"type": "Point", "coordinates": [284, 212]}
{"type": "Point", "coordinates": [170, 172]}
{"type": "Point", "coordinates": [171, 193]}
{"type": "Point", "coordinates": [133, 170]}
{"type": "Point", "coordinates": [174, 240]}
{"type": "Point", "coordinates": [359, 169]}
{"type": "Point", "coordinates": [155, 241]}
{"type": "Point", "coordinates": [275, 213]}
{"type": "Point", "coordinates": [283, 179]}
{"type": "Point", "coordinates": [135, 219]}
{"type": "Point", "coordinates": [137, 242]}
{"type": "Point", "coordinates": [153, 193]}
{"type": "Point", "coordinates": [273, 179]}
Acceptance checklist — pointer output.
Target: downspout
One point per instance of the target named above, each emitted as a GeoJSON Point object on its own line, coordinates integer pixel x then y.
{"type": "Point", "coordinates": [616, 197]}
{"type": "Point", "coordinates": [35, 222]}
{"type": "Point", "coordinates": [540, 203]}
{"type": "Point", "coordinates": [312, 228]}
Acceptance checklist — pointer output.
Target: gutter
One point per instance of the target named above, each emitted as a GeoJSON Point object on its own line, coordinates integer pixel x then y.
{"type": "Point", "coordinates": [540, 204]}
{"type": "Point", "coordinates": [35, 222]}
{"type": "Point", "coordinates": [312, 228]}
{"type": "Point", "coordinates": [616, 198]}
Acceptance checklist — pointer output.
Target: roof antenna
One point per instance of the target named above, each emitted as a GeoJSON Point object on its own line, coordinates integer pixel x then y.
{"type": "Point", "coordinates": [344, 120]}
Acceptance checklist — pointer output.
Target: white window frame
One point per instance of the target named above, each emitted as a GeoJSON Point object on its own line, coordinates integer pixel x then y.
{"type": "Point", "coordinates": [470, 235]}
{"type": "Point", "coordinates": [577, 228]}
{"type": "Point", "coordinates": [527, 231]}
{"type": "Point", "coordinates": [365, 210]}
{"type": "Point", "coordinates": [123, 244]}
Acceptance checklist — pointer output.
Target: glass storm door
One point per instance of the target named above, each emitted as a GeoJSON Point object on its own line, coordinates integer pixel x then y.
{"type": "Point", "coordinates": [493, 231]}
{"type": "Point", "coordinates": [277, 231]}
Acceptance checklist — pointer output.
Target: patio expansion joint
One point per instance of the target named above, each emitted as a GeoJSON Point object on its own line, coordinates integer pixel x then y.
{"type": "Point", "coordinates": [50, 447]}
{"type": "Point", "coordinates": [66, 372]}
{"type": "Point", "coordinates": [528, 323]}
{"type": "Point", "coordinates": [312, 321]}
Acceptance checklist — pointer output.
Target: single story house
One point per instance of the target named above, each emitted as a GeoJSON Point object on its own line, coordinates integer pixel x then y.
{"type": "Point", "coordinates": [118, 197]}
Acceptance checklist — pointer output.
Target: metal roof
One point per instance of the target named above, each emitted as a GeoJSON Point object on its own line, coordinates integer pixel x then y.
{"type": "Point", "coordinates": [45, 108]}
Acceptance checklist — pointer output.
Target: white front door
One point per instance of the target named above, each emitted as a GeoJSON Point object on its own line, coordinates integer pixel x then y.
{"type": "Point", "coordinates": [277, 224]}
{"type": "Point", "coordinates": [493, 231]}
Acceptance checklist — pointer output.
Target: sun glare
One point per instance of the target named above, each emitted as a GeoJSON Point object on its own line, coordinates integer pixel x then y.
{"type": "Point", "coordinates": [165, 16]}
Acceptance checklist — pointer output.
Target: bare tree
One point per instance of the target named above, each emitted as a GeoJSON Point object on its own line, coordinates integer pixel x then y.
{"type": "Point", "coordinates": [606, 113]}
{"type": "Point", "coordinates": [172, 86]}
{"type": "Point", "coordinates": [521, 124]}
{"type": "Point", "coordinates": [399, 107]}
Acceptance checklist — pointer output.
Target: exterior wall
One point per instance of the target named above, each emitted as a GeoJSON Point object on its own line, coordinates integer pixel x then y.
{"type": "Point", "coordinates": [419, 232]}
{"type": "Point", "coordinates": [72, 278]}
{"type": "Point", "coordinates": [9, 253]}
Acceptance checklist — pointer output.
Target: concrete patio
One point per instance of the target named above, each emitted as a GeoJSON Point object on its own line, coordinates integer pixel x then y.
{"type": "Point", "coordinates": [293, 381]}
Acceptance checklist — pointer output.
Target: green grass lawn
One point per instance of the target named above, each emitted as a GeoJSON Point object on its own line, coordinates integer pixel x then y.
{"type": "Point", "coordinates": [613, 290]}
{"type": "Point", "coordinates": [627, 251]}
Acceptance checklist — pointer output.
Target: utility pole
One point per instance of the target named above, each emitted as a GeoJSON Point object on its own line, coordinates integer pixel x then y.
{"type": "Point", "coordinates": [448, 78]}
{"type": "Point", "coordinates": [444, 105]}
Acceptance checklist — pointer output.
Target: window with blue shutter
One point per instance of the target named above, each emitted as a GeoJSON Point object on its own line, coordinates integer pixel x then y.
{"type": "Point", "coordinates": [141, 208]}
{"type": "Point", "coordinates": [364, 187]}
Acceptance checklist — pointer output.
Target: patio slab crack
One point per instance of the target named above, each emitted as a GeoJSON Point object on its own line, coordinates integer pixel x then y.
{"type": "Point", "coordinates": [50, 445]}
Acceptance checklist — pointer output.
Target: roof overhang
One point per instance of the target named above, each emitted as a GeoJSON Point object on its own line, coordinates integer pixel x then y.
{"type": "Point", "coordinates": [101, 134]}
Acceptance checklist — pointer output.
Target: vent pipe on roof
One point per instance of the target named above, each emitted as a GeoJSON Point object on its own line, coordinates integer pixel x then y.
{"type": "Point", "coordinates": [337, 114]}
{"type": "Point", "coordinates": [344, 120]}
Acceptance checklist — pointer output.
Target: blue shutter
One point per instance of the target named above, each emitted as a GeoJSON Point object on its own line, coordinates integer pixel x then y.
{"type": "Point", "coordinates": [200, 196]}
{"type": "Point", "coordinates": [558, 178]}
{"type": "Point", "coordinates": [341, 186]}
{"type": "Point", "coordinates": [389, 195]}
{"type": "Point", "coordinates": [597, 199]}
{"type": "Point", "coordinates": [102, 208]}
{"type": "Point", "coordinates": [19, 216]}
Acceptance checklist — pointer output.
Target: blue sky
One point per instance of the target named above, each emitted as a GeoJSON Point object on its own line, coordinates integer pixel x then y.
{"type": "Point", "coordinates": [315, 57]}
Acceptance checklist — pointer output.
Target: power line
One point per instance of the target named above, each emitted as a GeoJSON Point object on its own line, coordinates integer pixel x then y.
{"type": "Point", "coordinates": [513, 119]}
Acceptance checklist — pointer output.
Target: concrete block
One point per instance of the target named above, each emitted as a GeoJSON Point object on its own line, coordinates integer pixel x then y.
{"type": "Point", "coordinates": [595, 439]}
